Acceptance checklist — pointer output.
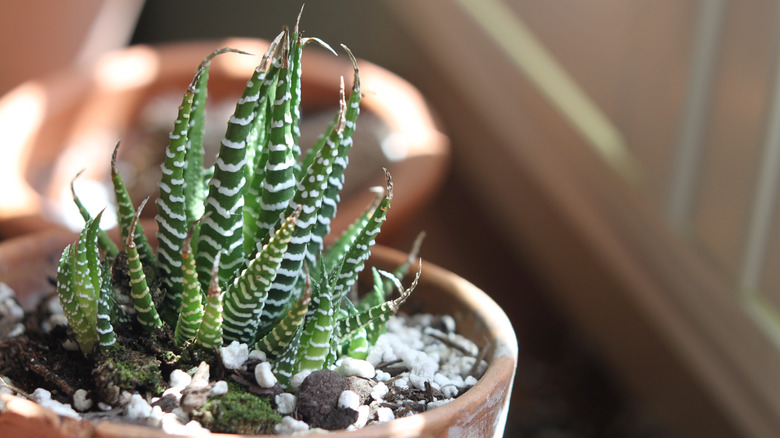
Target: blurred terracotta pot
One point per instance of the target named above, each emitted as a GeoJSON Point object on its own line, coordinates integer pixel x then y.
{"type": "Point", "coordinates": [27, 262]}
{"type": "Point", "coordinates": [53, 128]}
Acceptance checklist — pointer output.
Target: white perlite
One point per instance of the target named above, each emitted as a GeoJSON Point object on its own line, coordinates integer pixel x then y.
{"type": "Point", "coordinates": [347, 366]}
{"type": "Point", "coordinates": [349, 400]}
{"type": "Point", "coordinates": [257, 355]}
{"type": "Point", "coordinates": [384, 414]}
{"type": "Point", "coordinates": [290, 425]}
{"type": "Point", "coordinates": [179, 379]}
{"type": "Point", "coordinates": [138, 407]}
{"type": "Point", "coordinates": [234, 355]}
{"type": "Point", "coordinates": [379, 391]}
{"type": "Point", "coordinates": [43, 398]}
{"type": "Point", "coordinates": [362, 419]}
{"type": "Point", "coordinates": [285, 403]}
{"type": "Point", "coordinates": [219, 388]}
{"type": "Point", "coordinates": [81, 400]}
{"type": "Point", "coordinates": [298, 378]}
{"type": "Point", "coordinates": [264, 375]}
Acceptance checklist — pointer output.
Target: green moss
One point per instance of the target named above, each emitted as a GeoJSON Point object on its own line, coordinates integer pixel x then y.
{"type": "Point", "coordinates": [122, 369]}
{"type": "Point", "coordinates": [240, 411]}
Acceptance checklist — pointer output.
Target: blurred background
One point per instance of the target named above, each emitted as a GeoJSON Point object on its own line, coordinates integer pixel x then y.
{"type": "Point", "coordinates": [612, 184]}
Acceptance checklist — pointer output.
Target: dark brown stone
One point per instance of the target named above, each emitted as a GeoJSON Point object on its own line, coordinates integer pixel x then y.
{"type": "Point", "coordinates": [318, 401]}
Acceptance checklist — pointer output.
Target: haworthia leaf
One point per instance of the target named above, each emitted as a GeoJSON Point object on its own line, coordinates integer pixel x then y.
{"type": "Point", "coordinates": [283, 333]}
{"type": "Point", "coordinates": [104, 242]}
{"type": "Point", "coordinates": [278, 184]}
{"type": "Point", "coordinates": [210, 331]}
{"type": "Point", "coordinates": [126, 212]}
{"type": "Point", "coordinates": [79, 280]}
{"type": "Point", "coordinates": [336, 180]}
{"type": "Point", "coordinates": [66, 288]}
{"type": "Point", "coordinates": [358, 253]}
{"type": "Point", "coordinates": [285, 364]}
{"type": "Point", "coordinates": [315, 343]}
{"type": "Point", "coordinates": [308, 197]}
{"type": "Point", "coordinates": [222, 228]}
{"type": "Point", "coordinates": [191, 309]}
{"type": "Point", "coordinates": [194, 181]}
{"type": "Point", "coordinates": [106, 302]}
{"type": "Point", "coordinates": [146, 312]}
{"type": "Point", "coordinates": [336, 252]}
{"type": "Point", "coordinates": [257, 155]}
{"type": "Point", "coordinates": [171, 207]}
{"type": "Point", "coordinates": [245, 296]}
{"type": "Point", "coordinates": [377, 314]}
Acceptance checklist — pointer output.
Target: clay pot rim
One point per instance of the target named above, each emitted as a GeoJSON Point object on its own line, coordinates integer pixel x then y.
{"type": "Point", "coordinates": [493, 388]}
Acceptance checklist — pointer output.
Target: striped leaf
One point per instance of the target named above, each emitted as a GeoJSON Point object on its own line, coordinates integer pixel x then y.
{"type": "Point", "coordinates": [210, 331]}
{"type": "Point", "coordinates": [336, 180]}
{"type": "Point", "coordinates": [345, 328]}
{"type": "Point", "coordinates": [355, 258]}
{"type": "Point", "coordinates": [191, 309]}
{"type": "Point", "coordinates": [222, 228]}
{"type": "Point", "coordinates": [308, 196]}
{"type": "Point", "coordinates": [79, 280]}
{"type": "Point", "coordinates": [246, 295]}
{"type": "Point", "coordinates": [146, 312]}
{"type": "Point", "coordinates": [277, 186]}
{"type": "Point", "coordinates": [104, 242]}
{"type": "Point", "coordinates": [106, 304]}
{"type": "Point", "coordinates": [283, 333]}
{"type": "Point", "coordinates": [126, 212]}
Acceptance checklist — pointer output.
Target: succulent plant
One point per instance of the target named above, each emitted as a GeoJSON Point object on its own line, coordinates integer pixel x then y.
{"type": "Point", "coordinates": [241, 254]}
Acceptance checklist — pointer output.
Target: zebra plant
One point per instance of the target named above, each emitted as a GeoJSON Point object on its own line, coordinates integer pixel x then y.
{"type": "Point", "coordinates": [241, 254]}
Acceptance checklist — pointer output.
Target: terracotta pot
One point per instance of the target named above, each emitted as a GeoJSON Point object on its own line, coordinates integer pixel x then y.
{"type": "Point", "coordinates": [53, 128]}
{"type": "Point", "coordinates": [27, 262]}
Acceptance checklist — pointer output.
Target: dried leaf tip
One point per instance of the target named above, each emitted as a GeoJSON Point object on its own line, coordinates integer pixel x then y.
{"type": "Point", "coordinates": [214, 288]}
{"type": "Point", "coordinates": [356, 82]}
{"type": "Point", "coordinates": [130, 243]}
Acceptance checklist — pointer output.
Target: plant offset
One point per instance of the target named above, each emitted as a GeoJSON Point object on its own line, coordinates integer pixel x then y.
{"type": "Point", "coordinates": [241, 254]}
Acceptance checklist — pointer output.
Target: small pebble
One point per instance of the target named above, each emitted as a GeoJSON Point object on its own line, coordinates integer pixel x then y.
{"type": "Point", "coordinates": [363, 412]}
{"type": "Point", "coordinates": [285, 403]}
{"type": "Point", "coordinates": [382, 376]}
{"type": "Point", "coordinates": [219, 388]}
{"type": "Point", "coordinates": [234, 355]}
{"type": "Point", "coordinates": [264, 376]}
{"type": "Point", "coordinates": [257, 355]}
{"type": "Point", "coordinates": [290, 425]}
{"type": "Point", "coordinates": [349, 400]}
{"type": "Point", "coordinates": [57, 319]}
{"type": "Point", "coordinates": [379, 391]}
{"type": "Point", "coordinates": [54, 307]}
{"type": "Point", "coordinates": [297, 379]}
{"type": "Point", "coordinates": [43, 398]}
{"type": "Point", "coordinates": [401, 383]}
{"type": "Point", "coordinates": [384, 414]}
{"type": "Point", "coordinates": [138, 407]}
{"type": "Point", "coordinates": [155, 417]}
{"type": "Point", "coordinates": [70, 345]}
{"type": "Point", "coordinates": [449, 323]}
{"type": "Point", "coordinates": [179, 379]}
{"type": "Point", "coordinates": [449, 391]}
{"type": "Point", "coordinates": [348, 366]}
{"type": "Point", "coordinates": [81, 400]}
